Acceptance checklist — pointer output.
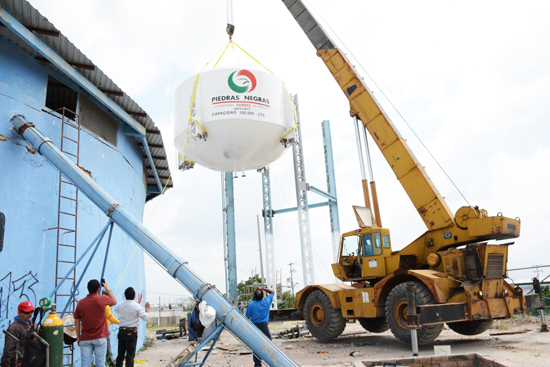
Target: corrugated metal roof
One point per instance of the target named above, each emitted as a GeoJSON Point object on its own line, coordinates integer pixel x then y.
{"type": "Point", "coordinates": [53, 38]}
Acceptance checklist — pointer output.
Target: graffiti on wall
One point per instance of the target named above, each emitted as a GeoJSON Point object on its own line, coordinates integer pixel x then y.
{"type": "Point", "coordinates": [2, 228]}
{"type": "Point", "coordinates": [15, 289]}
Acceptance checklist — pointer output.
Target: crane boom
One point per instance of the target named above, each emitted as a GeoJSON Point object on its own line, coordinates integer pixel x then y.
{"type": "Point", "coordinates": [425, 197]}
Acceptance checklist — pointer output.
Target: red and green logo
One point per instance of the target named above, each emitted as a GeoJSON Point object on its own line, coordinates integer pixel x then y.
{"type": "Point", "coordinates": [242, 81]}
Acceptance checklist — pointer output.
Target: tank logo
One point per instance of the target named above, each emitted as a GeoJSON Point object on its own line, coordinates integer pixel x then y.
{"type": "Point", "coordinates": [242, 81]}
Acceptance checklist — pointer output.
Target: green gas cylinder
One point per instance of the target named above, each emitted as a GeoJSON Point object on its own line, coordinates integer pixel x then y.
{"type": "Point", "coordinates": [52, 332]}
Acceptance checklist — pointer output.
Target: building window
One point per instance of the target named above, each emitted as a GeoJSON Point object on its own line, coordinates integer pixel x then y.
{"type": "Point", "coordinates": [58, 95]}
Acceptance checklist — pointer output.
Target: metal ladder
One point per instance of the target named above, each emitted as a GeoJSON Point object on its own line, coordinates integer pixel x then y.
{"type": "Point", "coordinates": [67, 216]}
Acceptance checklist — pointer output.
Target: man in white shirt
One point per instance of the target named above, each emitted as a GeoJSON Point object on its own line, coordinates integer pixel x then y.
{"type": "Point", "coordinates": [129, 312]}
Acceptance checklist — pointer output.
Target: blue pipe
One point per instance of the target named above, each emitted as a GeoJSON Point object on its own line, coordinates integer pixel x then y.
{"type": "Point", "coordinates": [322, 193]}
{"type": "Point", "coordinates": [178, 268]}
{"type": "Point", "coordinates": [106, 255]}
{"type": "Point", "coordinates": [293, 209]}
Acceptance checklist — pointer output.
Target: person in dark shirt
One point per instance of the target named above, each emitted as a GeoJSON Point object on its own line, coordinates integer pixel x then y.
{"type": "Point", "coordinates": [129, 313]}
{"type": "Point", "coordinates": [258, 312]}
{"type": "Point", "coordinates": [13, 350]}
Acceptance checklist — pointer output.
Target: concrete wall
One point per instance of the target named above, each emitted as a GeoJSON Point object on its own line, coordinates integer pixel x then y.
{"type": "Point", "coordinates": [29, 195]}
{"type": "Point", "coordinates": [166, 321]}
{"type": "Point", "coordinates": [167, 317]}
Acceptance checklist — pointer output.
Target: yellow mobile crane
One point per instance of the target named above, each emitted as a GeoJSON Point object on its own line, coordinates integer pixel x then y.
{"type": "Point", "coordinates": [458, 277]}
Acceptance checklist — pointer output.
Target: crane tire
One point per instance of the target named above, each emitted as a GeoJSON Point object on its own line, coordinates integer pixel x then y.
{"type": "Point", "coordinates": [396, 313]}
{"type": "Point", "coordinates": [377, 325]}
{"type": "Point", "coordinates": [323, 321]}
{"type": "Point", "coordinates": [470, 327]}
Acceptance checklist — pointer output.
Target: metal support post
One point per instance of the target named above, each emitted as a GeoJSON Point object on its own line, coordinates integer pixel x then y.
{"type": "Point", "coordinates": [292, 270]}
{"type": "Point", "coordinates": [229, 242]}
{"type": "Point", "coordinates": [177, 267]}
{"type": "Point", "coordinates": [411, 306]}
{"type": "Point", "coordinates": [543, 324]}
{"type": "Point", "coordinates": [268, 230]}
{"type": "Point", "coordinates": [261, 257]}
{"type": "Point", "coordinates": [302, 203]}
{"type": "Point", "coordinates": [331, 188]}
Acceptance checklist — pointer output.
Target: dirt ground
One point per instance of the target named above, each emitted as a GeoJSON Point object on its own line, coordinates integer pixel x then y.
{"type": "Point", "coordinates": [513, 343]}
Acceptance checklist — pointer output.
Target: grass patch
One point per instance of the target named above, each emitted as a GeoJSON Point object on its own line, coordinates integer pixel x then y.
{"type": "Point", "coordinates": [148, 343]}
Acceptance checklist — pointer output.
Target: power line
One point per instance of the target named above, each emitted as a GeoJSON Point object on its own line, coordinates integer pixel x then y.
{"type": "Point", "coordinates": [210, 258]}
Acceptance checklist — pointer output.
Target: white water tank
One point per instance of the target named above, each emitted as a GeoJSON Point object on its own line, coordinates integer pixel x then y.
{"type": "Point", "coordinates": [244, 113]}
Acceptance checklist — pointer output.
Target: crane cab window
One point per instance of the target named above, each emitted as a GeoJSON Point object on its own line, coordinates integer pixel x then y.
{"type": "Point", "coordinates": [377, 242]}
{"type": "Point", "coordinates": [366, 245]}
{"type": "Point", "coordinates": [386, 241]}
{"type": "Point", "coordinates": [350, 245]}
{"type": "Point", "coordinates": [371, 244]}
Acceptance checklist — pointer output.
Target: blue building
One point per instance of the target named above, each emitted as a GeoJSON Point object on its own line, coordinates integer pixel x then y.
{"type": "Point", "coordinates": [45, 224]}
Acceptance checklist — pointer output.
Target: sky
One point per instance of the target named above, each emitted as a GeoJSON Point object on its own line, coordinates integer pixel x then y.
{"type": "Point", "coordinates": [470, 79]}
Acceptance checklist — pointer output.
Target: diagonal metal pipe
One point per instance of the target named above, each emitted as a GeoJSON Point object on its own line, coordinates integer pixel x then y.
{"type": "Point", "coordinates": [178, 268]}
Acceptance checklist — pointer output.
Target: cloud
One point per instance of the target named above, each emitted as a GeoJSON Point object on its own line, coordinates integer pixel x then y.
{"type": "Point", "coordinates": [470, 78]}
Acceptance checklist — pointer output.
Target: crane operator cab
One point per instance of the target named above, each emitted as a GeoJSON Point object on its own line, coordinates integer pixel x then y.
{"type": "Point", "coordinates": [362, 251]}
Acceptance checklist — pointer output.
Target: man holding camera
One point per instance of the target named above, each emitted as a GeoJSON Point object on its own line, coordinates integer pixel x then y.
{"type": "Point", "coordinates": [91, 336]}
{"type": "Point", "coordinates": [258, 312]}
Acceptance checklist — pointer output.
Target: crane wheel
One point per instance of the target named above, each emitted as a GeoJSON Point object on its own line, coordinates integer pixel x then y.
{"type": "Point", "coordinates": [396, 313]}
{"type": "Point", "coordinates": [377, 325]}
{"type": "Point", "coordinates": [470, 327]}
{"type": "Point", "coordinates": [323, 321]}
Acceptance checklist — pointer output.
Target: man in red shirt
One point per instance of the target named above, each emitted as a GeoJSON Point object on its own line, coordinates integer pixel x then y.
{"type": "Point", "coordinates": [92, 335]}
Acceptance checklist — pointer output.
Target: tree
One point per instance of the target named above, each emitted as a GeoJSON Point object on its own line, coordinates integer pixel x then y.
{"type": "Point", "coordinates": [245, 288]}
{"type": "Point", "coordinates": [187, 303]}
{"type": "Point", "coordinates": [287, 300]}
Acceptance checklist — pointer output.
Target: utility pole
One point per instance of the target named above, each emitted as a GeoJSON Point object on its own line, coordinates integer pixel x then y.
{"type": "Point", "coordinates": [292, 270]}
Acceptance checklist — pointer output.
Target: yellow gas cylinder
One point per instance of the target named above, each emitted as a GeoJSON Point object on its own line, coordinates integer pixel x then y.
{"type": "Point", "coordinates": [52, 332]}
